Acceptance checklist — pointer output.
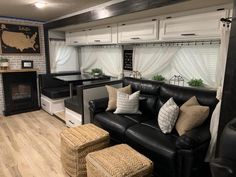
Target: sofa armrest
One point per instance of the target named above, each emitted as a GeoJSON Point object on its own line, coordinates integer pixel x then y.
{"type": "Point", "coordinates": [223, 167]}
{"type": "Point", "coordinates": [194, 138]}
{"type": "Point", "coordinates": [98, 105]}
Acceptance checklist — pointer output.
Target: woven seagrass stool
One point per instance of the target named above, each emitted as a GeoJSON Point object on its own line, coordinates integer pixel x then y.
{"type": "Point", "coordinates": [76, 143]}
{"type": "Point", "coordinates": [118, 161]}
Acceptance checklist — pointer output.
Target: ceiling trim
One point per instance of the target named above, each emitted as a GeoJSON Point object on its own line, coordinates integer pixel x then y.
{"type": "Point", "coordinates": [22, 19]}
{"type": "Point", "coordinates": [121, 8]}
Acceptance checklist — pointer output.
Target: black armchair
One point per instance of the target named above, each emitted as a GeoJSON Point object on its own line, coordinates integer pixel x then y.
{"type": "Point", "coordinates": [225, 164]}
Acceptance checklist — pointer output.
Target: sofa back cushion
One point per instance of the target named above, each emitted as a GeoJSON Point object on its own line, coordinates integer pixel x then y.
{"type": "Point", "coordinates": [149, 94]}
{"type": "Point", "coordinates": [181, 94]}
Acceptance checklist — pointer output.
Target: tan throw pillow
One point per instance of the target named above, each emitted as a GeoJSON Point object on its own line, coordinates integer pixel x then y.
{"type": "Point", "coordinates": [112, 94]}
{"type": "Point", "coordinates": [192, 114]}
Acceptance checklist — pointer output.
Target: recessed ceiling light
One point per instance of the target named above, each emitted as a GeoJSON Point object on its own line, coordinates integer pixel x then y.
{"type": "Point", "coordinates": [40, 4]}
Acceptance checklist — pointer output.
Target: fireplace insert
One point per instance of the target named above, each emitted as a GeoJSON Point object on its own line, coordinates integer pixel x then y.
{"type": "Point", "coordinates": [20, 92]}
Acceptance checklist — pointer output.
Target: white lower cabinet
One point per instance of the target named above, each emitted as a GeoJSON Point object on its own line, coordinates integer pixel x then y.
{"type": "Point", "coordinates": [73, 119]}
{"type": "Point", "coordinates": [52, 106]}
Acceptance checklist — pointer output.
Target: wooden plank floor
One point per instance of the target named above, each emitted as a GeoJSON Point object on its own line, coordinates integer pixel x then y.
{"type": "Point", "coordinates": [30, 145]}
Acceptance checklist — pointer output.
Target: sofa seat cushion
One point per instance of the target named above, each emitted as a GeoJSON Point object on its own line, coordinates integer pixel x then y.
{"type": "Point", "coordinates": [116, 125]}
{"type": "Point", "coordinates": [152, 123]}
{"type": "Point", "coordinates": [57, 92]}
{"type": "Point", "coordinates": [153, 143]}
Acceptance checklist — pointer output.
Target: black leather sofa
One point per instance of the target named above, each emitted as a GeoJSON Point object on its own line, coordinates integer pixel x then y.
{"type": "Point", "coordinates": [173, 155]}
{"type": "Point", "coordinates": [53, 88]}
{"type": "Point", "coordinates": [225, 164]}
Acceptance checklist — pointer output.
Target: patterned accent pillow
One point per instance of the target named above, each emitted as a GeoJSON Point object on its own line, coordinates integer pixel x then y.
{"type": "Point", "coordinates": [127, 104]}
{"type": "Point", "coordinates": [112, 93]}
{"type": "Point", "coordinates": [168, 115]}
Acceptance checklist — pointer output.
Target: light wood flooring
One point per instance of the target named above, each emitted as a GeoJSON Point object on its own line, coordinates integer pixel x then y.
{"type": "Point", "coordinates": [30, 145]}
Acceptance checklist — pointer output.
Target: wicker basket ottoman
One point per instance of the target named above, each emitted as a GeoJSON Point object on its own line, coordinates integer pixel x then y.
{"type": "Point", "coordinates": [118, 161]}
{"type": "Point", "coordinates": [76, 143]}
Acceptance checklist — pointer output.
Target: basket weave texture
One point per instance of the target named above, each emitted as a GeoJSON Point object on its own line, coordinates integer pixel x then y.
{"type": "Point", "coordinates": [76, 143]}
{"type": "Point", "coordinates": [118, 161]}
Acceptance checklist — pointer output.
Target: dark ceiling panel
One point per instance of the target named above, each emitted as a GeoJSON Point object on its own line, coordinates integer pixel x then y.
{"type": "Point", "coordinates": [125, 7]}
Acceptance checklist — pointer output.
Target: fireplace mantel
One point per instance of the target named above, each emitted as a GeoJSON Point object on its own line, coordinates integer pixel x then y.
{"type": "Point", "coordinates": [17, 70]}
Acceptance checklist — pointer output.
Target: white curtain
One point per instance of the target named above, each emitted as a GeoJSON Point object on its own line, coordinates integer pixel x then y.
{"type": "Point", "coordinates": [107, 58]}
{"type": "Point", "coordinates": [63, 57]}
{"type": "Point", "coordinates": [151, 60]}
{"type": "Point", "coordinates": [189, 61]}
{"type": "Point", "coordinates": [197, 61]}
{"type": "Point", "coordinates": [225, 34]}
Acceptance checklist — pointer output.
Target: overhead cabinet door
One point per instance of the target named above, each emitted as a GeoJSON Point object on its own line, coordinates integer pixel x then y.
{"type": "Point", "coordinates": [204, 26]}
{"type": "Point", "coordinates": [138, 32]}
{"type": "Point", "coordinates": [76, 38]}
{"type": "Point", "coordinates": [101, 36]}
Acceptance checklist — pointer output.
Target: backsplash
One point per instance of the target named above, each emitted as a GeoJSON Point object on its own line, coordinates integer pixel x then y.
{"type": "Point", "coordinates": [15, 59]}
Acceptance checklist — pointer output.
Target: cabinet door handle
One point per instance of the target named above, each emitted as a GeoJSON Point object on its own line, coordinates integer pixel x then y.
{"type": "Point", "coordinates": [135, 38]}
{"type": "Point", "coordinates": [43, 104]}
{"type": "Point", "coordinates": [71, 122]}
{"type": "Point", "coordinates": [188, 34]}
{"type": "Point", "coordinates": [97, 40]}
{"type": "Point", "coordinates": [75, 42]}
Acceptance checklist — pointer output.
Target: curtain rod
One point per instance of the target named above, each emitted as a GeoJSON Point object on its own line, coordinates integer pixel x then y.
{"type": "Point", "coordinates": [180, 43]}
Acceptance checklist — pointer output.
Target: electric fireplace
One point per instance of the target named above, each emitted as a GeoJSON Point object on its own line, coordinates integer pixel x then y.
{"type": "Point", "coordinates": [20, 92]}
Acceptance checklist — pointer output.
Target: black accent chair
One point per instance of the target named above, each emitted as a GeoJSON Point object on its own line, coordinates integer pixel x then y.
{"type": "Point", "coordinates": [53, 88]}
{"type": "Point", "coordinates": [225, 164]}
{"type": "Point", "coordinates": [173, 155]}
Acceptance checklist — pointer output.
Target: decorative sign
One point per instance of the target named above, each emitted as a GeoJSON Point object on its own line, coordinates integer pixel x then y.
{"type": "Point", "coordinates": [27, 64]}
{"type": "Point", "coordinates": [18, 39]}
{"type": "Point", "coordinates": [128, 60]}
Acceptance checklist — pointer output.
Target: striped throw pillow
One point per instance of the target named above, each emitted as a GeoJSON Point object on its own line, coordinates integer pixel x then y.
{"type": "Point", "coordinates": [127, 104]}
{"type": "Point", "coordinates": [168, 115]}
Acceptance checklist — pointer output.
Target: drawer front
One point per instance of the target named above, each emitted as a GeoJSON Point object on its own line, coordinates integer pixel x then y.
{"type": "Point", "coordinates": [46, 105]}
{"type": "Point", "coordinates": [72, 119]}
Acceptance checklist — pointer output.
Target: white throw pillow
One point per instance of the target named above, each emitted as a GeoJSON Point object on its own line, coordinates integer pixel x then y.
{"type": "Point", "coordinates": [127, 104]}
{"type": "Point", "coordinates": [168, 115]}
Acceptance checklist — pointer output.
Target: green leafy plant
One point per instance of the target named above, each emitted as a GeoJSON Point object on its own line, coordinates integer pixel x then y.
{"type": "Point", "coordinates": [96, 71]}
{"type": "Point", "coordinates": [3, 59]}
{"type": "Point", "coordinates": [159, 78]}
{"type": "Point", "coordinates": [196, 83]}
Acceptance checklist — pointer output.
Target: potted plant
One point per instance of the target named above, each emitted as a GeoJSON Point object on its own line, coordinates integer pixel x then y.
{"type": "Point", "coordinates": [96, 72]}
{"type": "Point", "coordinates": [196, 83]}
{"type": "Point", "coordinates": [4, 63]}
{"type": "Point", "coordinates": [159, 77]}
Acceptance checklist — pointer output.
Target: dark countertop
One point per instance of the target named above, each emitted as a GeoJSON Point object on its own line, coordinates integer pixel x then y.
{"type": "Point", "coordinates": [98, 83]}
{"type": "Point", "coordinates": [81, 78]}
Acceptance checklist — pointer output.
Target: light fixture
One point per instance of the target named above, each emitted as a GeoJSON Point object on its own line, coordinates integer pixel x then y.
{"type": "Point", "coordinates": [40, 4]}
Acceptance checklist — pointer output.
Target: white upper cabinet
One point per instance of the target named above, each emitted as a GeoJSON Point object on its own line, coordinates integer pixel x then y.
{"type": "Point", "coordinates": [107, 35]}
{"type": "Point", "coordinates": [76, 38]}
{"type": "Point", "coordinates": [145, 31]}
{"type": "Point", "coordinates": [200, 26]}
